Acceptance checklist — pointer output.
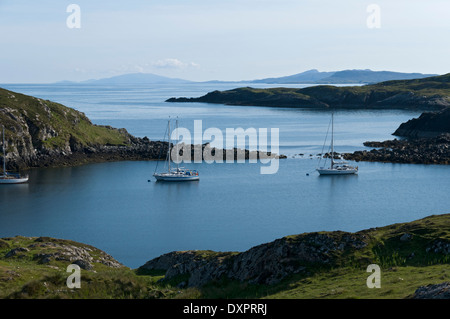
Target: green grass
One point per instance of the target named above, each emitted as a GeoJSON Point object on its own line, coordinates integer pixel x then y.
{"type": "Point", "coordinates": [350, 283]}
{"type": "Point", "coordinates": [405, 266]}
{"type": "Point", "coordinates": [23, 277]}
{"type": "Point", "coordinates": [339, 283]}
{"type": "Point", "coordinates": [29, 114]}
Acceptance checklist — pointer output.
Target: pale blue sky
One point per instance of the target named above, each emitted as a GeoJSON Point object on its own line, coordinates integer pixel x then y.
{"type": "Point", "coordinates": [219, 40]}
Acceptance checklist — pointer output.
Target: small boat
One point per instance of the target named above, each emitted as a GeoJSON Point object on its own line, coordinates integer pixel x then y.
{"type": "Point", "coordinates": [178, 174]}
{"type": "Point", "coordinates": [336, 168]}
{"type": "Point", "coordinates": [6, 177]}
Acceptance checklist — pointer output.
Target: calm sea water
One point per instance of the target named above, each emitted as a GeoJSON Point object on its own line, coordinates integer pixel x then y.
{"type": "Point", "coordinates": [114, 207]}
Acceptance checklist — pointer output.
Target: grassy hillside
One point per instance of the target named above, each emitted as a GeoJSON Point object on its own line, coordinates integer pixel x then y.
{"type": "Point", "coordinates": [42, 133]}
{"type": "Point", "coordinates": [410, 255]}
{"type": "Point", "coordinates": [50, 124]}
{"type": "Point", "coordinates": [37, 268]}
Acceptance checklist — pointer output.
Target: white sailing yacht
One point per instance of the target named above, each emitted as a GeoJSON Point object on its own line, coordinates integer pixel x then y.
{"type": "Point", "coordinates": [9, 178]}
{"type": "Point", "coordinates": [177, 174]}
{"type": "Point", "coordinates": [336, 168]}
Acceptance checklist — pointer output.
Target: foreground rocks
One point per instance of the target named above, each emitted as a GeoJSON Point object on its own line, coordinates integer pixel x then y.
{"type": "Point", "coordinates": [438, 291]}
{"type": "Point", "coordinates": [51, 251]}
{"type": "Point", "coordinates": [35, 267]}
{"type": "Point", "coordinates": [435, 150]}
{"type": "Point", "coordinates": [423, 242]}
{"type": "Point", "coordinates": [263, 264]}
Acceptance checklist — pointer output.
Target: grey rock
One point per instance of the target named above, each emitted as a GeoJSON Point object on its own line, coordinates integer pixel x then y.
{"type": "Point", "coordinates": [16, 251]}
{"type": "Point", "coordinates": [438, 291]}
{"type": "Point", "coordinates": [83, 264]}
{"type": "Point", "coordinates": [406, 237]}
{"type": "Point", "coordinates": [264, 264]}
{"type": "Point", "coordinates": [439, 247]}
{"type": "Point", "coordinates": [72, 254]}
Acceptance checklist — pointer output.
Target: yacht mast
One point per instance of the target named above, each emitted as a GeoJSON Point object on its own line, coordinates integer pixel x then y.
{"type": "Point", "coordinates": [332, 139]}
{"type": "Point", "coordinates": [4, 154]}
{"type": "Point", "coordinates": [168, 148]}
{"type": "Point", "coordinates": [178, 154]}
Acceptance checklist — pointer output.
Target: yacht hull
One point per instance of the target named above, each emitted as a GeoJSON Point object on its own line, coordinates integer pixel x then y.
{"type": "Point", "coordinates": [328, 171]}
{"type": "Point", "coordinates": [175, 178]}
{"type": "Point", "coordinates": [13, 180]}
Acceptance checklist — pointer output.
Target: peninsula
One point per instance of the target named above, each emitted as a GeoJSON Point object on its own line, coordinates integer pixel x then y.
{"type": "Point", "coordinates": [42, 133]}
{"type": "Point", "coordinates": [430, 93]}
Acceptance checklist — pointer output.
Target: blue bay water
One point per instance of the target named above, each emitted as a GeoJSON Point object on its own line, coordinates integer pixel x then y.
{"type": "Point", "coordinates": [233, 207]}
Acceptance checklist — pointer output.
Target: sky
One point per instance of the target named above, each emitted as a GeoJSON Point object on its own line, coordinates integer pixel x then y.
{"type": "Point", "coordinates": [228, 40]}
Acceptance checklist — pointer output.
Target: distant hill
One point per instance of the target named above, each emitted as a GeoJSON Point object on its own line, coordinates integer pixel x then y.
{"type": "Point", "coordinates": [308, 77]}
{"type": "Point", "coordinates": [304, 77]}
{"type": "Point", "coordinates": [368, 76]}
{"type": "Point", "coordinates": [132, 78]}
{"type": "Point", "coordinates": [341, 77]}
{"type": "Point", "coordinates": [430, 93]}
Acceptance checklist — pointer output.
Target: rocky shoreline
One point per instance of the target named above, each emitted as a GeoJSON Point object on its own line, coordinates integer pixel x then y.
{"type": "Point", "coordinates": [426, 140]}
{"type": "Point", "coordinates": [435, 150]}
{"type": "Point", "coordinates": [428, 124]}
{"type": "Point", "coordinates": [140, 149]}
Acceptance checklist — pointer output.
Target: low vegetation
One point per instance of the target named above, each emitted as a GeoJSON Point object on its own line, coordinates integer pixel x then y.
{"type": "Point", "coordinates": [410, 255]}
{"type": "Point", "coordinates": [50, 125]}
{"type": "Point", "coordinates": [430, 93]}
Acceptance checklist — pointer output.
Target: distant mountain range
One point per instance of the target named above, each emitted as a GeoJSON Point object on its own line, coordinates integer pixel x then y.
{"type": "Point", "coordinates": [131, 78]}
{"type": "Point", "coordinates": [311, 76]}
{"type": "Point", "coordinates": [341, 77]}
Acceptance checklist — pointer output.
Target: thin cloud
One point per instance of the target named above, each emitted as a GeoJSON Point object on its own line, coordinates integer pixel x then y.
{"type": "Point", "coordinates": [171, 63]}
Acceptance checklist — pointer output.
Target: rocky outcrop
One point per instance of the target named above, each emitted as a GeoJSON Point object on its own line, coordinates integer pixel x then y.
{"type": "Point", "coordinates": [437, 291]}
{"type": "Point", "coordinates": [427, 142]}
{"type": "Point", "coordinates": [415, 151]}
{"type": "Point", "coordinates": [421, 242]}
{"type": "Point", "coordinates": [263, 264]}
{"type": "Point", "coordinates": [43, 133]}
{"type": "Point", "coordinates": [140, 149]}
{"type": "Point", "coordinates": [313, 257]}
{"type": "Point", "coordinates": [429, 124]}
{"type": "Point", "coordinates": [46, 250]}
